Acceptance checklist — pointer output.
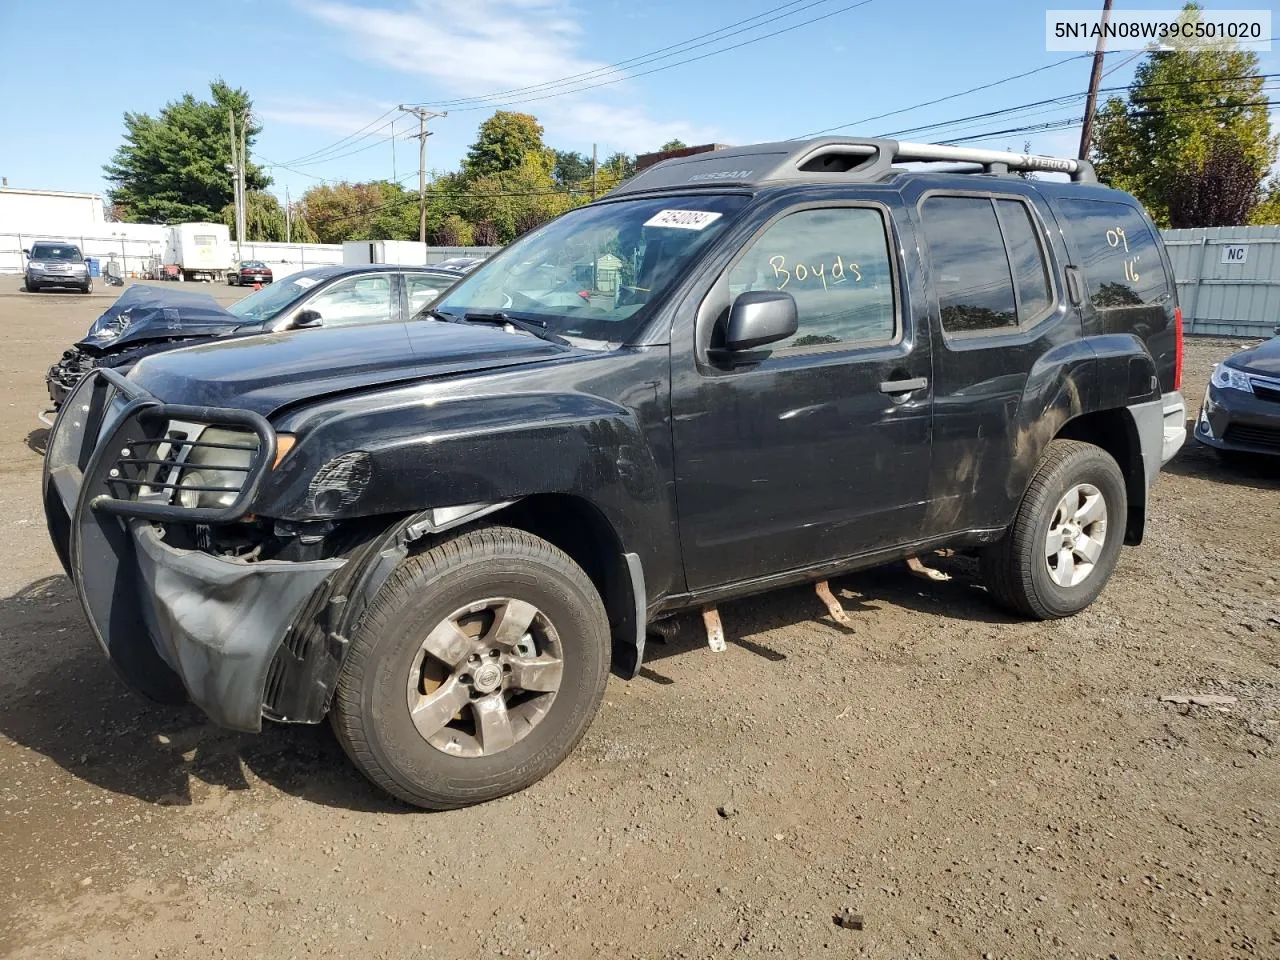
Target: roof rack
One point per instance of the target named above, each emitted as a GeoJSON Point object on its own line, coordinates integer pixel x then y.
{"type": "Point", "coordinates": [846, 159]}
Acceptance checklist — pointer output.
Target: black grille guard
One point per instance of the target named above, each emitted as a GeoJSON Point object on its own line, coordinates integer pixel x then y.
{"type": "Point", "coordinates": [90, 450]}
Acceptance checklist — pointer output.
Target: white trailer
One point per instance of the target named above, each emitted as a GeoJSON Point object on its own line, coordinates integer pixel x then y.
{"type": "Point", "coordinates": [201, 251]}
{"type": "Point", "coordinates": [401, 253]}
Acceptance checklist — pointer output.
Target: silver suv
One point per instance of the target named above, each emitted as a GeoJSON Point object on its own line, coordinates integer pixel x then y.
{"type": "Point", "coordinates": [57, 265]}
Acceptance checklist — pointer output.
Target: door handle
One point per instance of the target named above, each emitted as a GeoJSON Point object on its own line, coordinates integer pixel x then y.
{"type": "Point", "coordinates": [904, 386]}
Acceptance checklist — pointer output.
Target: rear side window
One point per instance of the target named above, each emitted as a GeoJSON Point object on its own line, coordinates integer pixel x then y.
{"type": "Point", "coordinates": [1117, 251]}
{"type": "Point", "coordinates": [1030, 274]}
{"type": "Point", "coordinates": [970, 268]}
{"type": "Point", "coordinates": [835, 263]}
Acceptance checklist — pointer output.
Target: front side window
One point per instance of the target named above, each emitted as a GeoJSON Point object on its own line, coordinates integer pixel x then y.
{"type": "Point", "coordinates": [354, 300]}
{"type": "Point", "coordinates": [592, 272]}
{"type": "Point", "coordinates": [1118, 253]}
{"type": "Point", "coordinates": [835, 263]}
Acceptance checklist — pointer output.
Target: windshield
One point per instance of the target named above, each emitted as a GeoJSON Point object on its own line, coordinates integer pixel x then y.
{"type": "Point", "coordinates": [591, 273]}
{"type": "Point", "coordinates": [47, 252]}
{"type": "Point", "coordinates": [271, 301]}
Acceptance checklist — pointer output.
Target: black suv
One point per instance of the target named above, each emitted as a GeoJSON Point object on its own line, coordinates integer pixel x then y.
{"type": "Point", "coordinates": [740, 370]}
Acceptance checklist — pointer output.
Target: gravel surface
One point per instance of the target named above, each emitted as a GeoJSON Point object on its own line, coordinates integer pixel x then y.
{"type": "Point", "coordinates": [941, 780]}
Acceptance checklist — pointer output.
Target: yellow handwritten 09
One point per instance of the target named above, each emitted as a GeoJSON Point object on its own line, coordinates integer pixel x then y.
{"type": "Point", "coordinates": [839, 272]}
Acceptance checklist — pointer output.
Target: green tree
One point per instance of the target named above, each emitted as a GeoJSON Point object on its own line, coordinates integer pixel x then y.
{"type": "Point", "coordinates": [173, 168]}
{"type": "Point", "coordinates": [1183, 107]}
{"type": "Point", "coordinates": [358, 211]}
{"type": "Point", "coordinates": [513, 200]}
{"type": "Point", "coordinates": [1268, 209]}
{"type": "Point", "coordinates": [572, 169]}
{"type": "Point", "coordinates": [503, 141]}
{"type": "Point", "coordinates": [263, 220]}
{"type": "Point", "coordinates": [300, 229]}
{"type": "Point", "coordinates": [676, 144]}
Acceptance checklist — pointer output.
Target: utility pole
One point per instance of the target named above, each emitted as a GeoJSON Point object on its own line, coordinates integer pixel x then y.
{"type": "Point", "coordinates": [288, 216]}
{"type": "Point", "coordinates": [244, 200]}
{"type": "Point", "coordinates": [1095, 78]}
{"type": "Point", "coordinates": [423, 116]}
{"type": "Point", "coordinates": [393, 151]}
{"type": "Point", "coordinates": [234, 169]}
{"type": "Point", "coordinates": [594, 168]}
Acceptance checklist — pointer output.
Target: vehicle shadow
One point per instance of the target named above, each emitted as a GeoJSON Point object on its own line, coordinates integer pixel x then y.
{"type": "Point", "coordinates": [69, 706]}
{"type": "Point", "coordinates": [1200, 462]}
{"type": "Point", "coordinates": [37, 439]}
{"type": "Point", "coordinates": [863, 596]}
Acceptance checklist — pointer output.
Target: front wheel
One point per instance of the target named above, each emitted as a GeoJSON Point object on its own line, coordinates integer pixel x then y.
{"type": "Point", "coordinates": [1065, 540]}
{"type": "Point", "coordinates": [476, 670]}
{"type": "Point", "coordinates": [88, 287]}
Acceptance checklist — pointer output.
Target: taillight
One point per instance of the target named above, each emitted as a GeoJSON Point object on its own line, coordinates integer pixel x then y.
{"type": "Point", "coordinates": [1177, 355]}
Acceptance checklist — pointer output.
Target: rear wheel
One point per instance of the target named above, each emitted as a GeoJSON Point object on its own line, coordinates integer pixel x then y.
{"type": "Point", "coordinates": [475, 672]}
{"type": "Point", "coordinates": [1065, 540]}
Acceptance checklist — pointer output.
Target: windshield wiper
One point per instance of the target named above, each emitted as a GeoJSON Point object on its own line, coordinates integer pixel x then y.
{"type": "Point", "coordinates": [536, 327]}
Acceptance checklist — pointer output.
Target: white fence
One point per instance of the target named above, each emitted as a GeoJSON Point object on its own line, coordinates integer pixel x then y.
{"type": "Point", "coordinates": [136, 255]}
{"type": "Point", "coordinates": [1228, 279]}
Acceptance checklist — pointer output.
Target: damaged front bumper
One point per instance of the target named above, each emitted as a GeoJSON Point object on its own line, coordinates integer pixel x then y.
{"type": "Point", "coordinates": [176, 623]}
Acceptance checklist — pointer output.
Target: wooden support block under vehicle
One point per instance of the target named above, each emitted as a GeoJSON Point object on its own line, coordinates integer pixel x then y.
{"type": "Point", "coordinates": [715, 631]}
{"type": "Point", "coordinates": [833, 605]}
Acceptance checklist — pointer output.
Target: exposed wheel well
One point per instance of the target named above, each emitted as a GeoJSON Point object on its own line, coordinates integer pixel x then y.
{"type": "Point", "coordinates": [580, 530]}
{"type": "Point", "coordinates": [1115, 432]}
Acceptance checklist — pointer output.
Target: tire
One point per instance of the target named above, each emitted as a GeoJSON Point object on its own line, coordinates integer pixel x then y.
{"type": "Point", "coordinates": [30, 287]}
{"type": "Point", "coordinates": [88, 287]}
{"type": "Point", "coordinates": [1018, 570]}
{"type": "Point", "coordinates": [386, 666]}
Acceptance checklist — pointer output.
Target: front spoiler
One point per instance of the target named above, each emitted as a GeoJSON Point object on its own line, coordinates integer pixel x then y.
{"type": "Point", "coordinates": [175, 623]}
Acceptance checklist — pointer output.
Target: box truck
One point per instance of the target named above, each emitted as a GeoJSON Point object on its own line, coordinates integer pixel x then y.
{"type": "Point", "coordinates": [200, 251]}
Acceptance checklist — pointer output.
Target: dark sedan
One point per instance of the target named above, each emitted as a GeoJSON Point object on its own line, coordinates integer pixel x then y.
{"type": "Point", "coordinates": [149, 319]}
{"type": "Point", "coordinates": [1241, 410]}
{"type": "Point", "coordinates": [249, 272]}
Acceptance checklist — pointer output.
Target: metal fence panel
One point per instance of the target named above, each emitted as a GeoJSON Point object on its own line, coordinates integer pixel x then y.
{"type": "Point", "coordinates": [1228, 279]}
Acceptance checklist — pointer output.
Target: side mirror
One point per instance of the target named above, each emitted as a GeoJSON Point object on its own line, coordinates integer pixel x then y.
{"type": "Point", "coordinates": [305, 319]}
{"type": "Point", "coordinates": [760, 317]}
{"type": "Point", "coordinates": [26, 251]}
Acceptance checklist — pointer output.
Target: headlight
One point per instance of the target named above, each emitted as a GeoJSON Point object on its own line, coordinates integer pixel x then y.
{"type": "Point", "coordinates": [35, 264]}
{"type": "Point", "coordinates": [1230, 377]}
{"type": "Point", "coordinates": [214, 472]}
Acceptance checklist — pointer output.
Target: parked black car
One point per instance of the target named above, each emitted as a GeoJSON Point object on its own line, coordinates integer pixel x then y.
{"type": "Point", "coordinates": [146, 320]}
{"type": "Point", "coordinates": [249, 272]}
{"type": "Point", "coordinates": [1240, 414]}
{"type": "Point", "coordinates": [56, 265]}
{"type": "Point", "coordinates": [442, 533]}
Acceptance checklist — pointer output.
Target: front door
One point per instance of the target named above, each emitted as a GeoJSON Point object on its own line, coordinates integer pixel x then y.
{"type": "Point", "coordinates": [819, 448]}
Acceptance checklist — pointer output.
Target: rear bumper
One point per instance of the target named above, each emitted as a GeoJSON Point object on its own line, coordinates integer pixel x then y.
{"type": "Point", "coordinates": [175, 623]}
{"type": "Point", "coordinates": [1239, 421]}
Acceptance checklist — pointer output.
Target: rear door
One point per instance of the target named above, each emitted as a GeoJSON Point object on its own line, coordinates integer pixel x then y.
{"type": "Point", "coordinates": [819, 448]}
{"type": "Point", "coordinates": [998, 311]}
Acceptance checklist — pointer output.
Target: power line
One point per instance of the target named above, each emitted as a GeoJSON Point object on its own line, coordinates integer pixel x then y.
{"type": "Point", "coordinates": [669, 66]}
{"type": "Point", "coordinates": [337, 143]}
{"type": "Point", "coordinates": [1067, 124]}
{"type": "Point", "coordinates": [662, 53]}
{"type": "Point", "coordinates": [953, 96]}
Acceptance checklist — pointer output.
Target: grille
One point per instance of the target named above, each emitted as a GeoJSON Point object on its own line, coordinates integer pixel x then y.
{"type": "Point", "coordinates": [1266, 392]}
{"type": "Point", "coordinates": [1253, 436]}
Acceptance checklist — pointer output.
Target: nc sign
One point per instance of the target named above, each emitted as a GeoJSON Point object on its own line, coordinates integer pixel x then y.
{"type": "Point", "coordinates": [1237, 253]}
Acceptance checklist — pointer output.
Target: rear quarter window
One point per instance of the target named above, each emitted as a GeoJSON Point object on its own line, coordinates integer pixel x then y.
{"type": "Point", "coordinates": [1117, 251]}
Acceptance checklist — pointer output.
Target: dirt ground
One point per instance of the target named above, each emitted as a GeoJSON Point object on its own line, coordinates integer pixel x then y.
{"type": "Point", "coordinates": [972, 785]}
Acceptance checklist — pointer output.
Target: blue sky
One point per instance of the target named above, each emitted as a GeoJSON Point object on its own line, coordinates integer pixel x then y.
{"type": "Point", "coordinates": [320, 70]}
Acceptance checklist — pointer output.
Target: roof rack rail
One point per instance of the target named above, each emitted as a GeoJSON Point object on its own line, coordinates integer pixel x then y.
{"type": "Point", "coordinates": [838, 159]}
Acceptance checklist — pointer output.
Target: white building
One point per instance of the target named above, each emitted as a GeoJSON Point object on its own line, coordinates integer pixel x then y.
{"type": "Point", "coordinates": [49, 211]}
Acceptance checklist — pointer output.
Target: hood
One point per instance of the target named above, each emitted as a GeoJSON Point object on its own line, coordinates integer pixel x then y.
{"type": "Point", "coordinates": [1264, 359]}
{"type": "Point", "coordinates": [157, 313]}
{"type": "Point", "coordinates": [274, 370]}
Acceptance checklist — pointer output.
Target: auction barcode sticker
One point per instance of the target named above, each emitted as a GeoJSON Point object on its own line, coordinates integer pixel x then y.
{"type": "Point", "coordinates": [682, 219]}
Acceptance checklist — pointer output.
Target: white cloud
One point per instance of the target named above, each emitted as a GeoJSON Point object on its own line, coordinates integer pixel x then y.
{"type": "Point", "coordinates": [482, 47]}
{"type": "Point", "coordinates": [322, 114]}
